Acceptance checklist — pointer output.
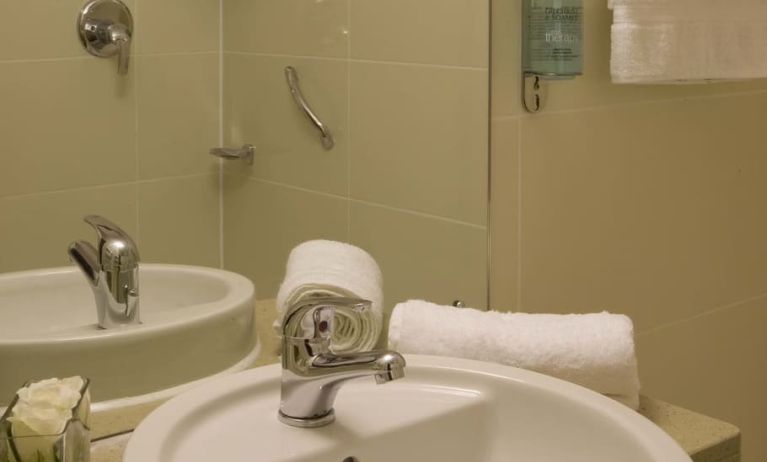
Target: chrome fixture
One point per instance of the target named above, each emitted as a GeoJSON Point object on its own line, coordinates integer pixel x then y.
{"type": "Point", "coordinates": [245, 153]}
{"type": "Point", "coordinates": [459, 304]}
{"type": "Point", "coordinates": [112, 271]}
{"type": "Point", "coordinates": [292, 78]}
{"type": "Point", "coordinates": [535, 92]}
{"type": "Point", "coordinates": [312, 374]}
{"type": "Point", "coordinates": [106, 30]}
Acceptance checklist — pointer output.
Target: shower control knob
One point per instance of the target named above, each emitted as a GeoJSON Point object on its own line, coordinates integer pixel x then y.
{"type": "Point", "coordinates": [106, 30]}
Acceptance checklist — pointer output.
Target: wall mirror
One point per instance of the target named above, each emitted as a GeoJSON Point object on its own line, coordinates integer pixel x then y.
{"type": "Point", "coordinates": [406, 179]}
{"type": "Point", "coordinates": [646, 200]}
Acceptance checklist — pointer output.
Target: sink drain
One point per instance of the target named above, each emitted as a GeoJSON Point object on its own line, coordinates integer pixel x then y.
{"type": "Point", "coordinates": [351, 459]}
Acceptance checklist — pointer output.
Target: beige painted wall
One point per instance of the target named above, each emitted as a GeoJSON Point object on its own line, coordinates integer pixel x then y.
{"type": "Point", "coordinates": [407, 179]}
{"type": "Point", "coordinates": [644, 200]}
{"type": "Point", "coordinates": [76, 138]}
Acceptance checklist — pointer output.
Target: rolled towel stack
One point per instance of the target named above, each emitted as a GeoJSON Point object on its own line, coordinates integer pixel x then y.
{"type": "Point", "coordinates": [592, 350]}
{"type": "Point", "coordinates": [688, 41]}
{"type": "Point", "coordinates": [334, 269]}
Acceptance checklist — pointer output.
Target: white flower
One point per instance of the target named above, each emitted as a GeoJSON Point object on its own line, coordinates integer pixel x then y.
{"type": "Point", "coordinates": [42, 412]}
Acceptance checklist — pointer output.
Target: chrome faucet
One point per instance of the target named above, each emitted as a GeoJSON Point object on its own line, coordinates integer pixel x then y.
{"type": "Point", "coordinates": [312, 374]}
{"type": "Point", "coordinates": [112, 271]}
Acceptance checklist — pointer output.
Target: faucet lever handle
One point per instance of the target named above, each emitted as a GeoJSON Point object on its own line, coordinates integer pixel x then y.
{"type": "Point", "coordinates": [107, 230]}
{"type": "Point", "coordinates": [312, 319]}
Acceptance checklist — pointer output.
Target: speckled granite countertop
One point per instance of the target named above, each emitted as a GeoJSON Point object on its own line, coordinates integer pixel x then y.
{"type": "Point", "coordinates": [704, 438]}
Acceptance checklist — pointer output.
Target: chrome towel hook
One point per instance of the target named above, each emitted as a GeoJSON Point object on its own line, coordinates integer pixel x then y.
{"type": "Point", "coordinates": [292, 78]}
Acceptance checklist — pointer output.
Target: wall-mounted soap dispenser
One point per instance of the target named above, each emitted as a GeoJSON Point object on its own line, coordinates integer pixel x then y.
{"type": "Point", "coordinates": [551, 46]}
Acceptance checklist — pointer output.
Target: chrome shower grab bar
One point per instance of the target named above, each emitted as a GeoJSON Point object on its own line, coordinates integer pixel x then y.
{"type": "Point", "coordinates": [292, 78]}
{"type": "Point", "coordinates": [245, 152]}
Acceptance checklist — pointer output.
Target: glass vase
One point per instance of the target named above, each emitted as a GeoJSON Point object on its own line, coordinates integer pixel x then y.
{"type": "Point", "coordinates": [71, 445]}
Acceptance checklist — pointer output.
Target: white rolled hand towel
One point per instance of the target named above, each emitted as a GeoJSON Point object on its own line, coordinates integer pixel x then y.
{"type": "Point", "coordinates": [334, 269]}
{"type": "Point", "coordinates": [592, 350]}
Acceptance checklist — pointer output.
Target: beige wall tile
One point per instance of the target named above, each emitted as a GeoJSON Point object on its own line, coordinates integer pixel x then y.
{"type": "Point", "coordinates": [297, 27]}
{"type": "Point", "coordinates": [179, 220]}
{"type": "Point", "coordinates": [714, 364]}
{"type": "Point", "coordinates": [71, 125]}
{"type": "Point", "coordinates": [504, 214]}
{"type": "Point", "coordinates": [178, 112]}
{"type": "Point", "coordinates": [35, 230]}
{"type": "Point", "coordinates": [452, 32]}
{"type": "Point", "coordinates": [263, 222]}
{"type": "Point", "coordinates": [419, 138]}
{"type": "Point", "coordinates": [506, 58]}
{"type": "Point", "coordinates": [422, 257]}
{"type": "Point", "coordinates": [173, 26]}
{"type": "Point", "coordinates": [40, 29]}
{"type": "Point", "coordinates": [654, 210]}
{"type": "Point", "coordinates": [258, 109]}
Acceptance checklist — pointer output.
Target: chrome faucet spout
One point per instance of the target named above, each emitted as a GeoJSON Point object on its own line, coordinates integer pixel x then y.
{"type": "Point", "coordinates": [111, 269]}
{"type": "Point", "coordinates": [312, 374]}
{"type": "Point", "coordinates": [85, 256]}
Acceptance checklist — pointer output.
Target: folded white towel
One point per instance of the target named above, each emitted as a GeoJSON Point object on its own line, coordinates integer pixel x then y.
{"type": "Point", "coordinates": [688, 41]}
{"type": "Point", "coordinates": [335, 269]}
{"type": "Point", "coordinates": [593, 350]}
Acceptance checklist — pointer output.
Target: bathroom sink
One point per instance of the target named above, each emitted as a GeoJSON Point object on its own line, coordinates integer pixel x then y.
{"type": "Point", "coordinates": [196, 322]}
{"type": "Point", "coordinates": [444, 409]}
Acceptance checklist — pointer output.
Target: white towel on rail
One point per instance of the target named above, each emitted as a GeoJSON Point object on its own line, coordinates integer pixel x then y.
{"type": "Point", "coordinates": [688, 41]}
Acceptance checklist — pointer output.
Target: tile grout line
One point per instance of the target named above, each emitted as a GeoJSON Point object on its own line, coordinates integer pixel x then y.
{"type": "Point", "coordinates": [628, 104]}
{"type": "Point", "coordinates": [364, 61]}
{"type": "Point", "coordinates": [88, 57]}
{"type": "Point", "coordinates": [710, 312]}
{"type": "Point", "coordinates": [518, 306]}
{"type": "Point", "coordinates": [364, 202]}
{"type": "Point", "coordinates": [221, 211]}
{"type": "Point", "coordinates": [348, 121]}
{"type": "Point", "coordinates": [102, 186]}
{"type": "Point", "coordinates": [489, 174]}
{"type": "Point", "coordinates": [136, 125]}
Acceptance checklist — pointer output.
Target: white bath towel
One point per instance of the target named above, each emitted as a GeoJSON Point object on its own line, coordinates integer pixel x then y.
{"type": "Point", "coordinates": [335, 269]}
{"type": "Point", "coordinates": [688, 41]}
{"type": "Point", "coordinates": [592, 350]}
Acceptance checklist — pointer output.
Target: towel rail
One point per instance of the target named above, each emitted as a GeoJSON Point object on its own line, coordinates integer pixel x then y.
{"type": "Point", "coordinates": [325, 135]}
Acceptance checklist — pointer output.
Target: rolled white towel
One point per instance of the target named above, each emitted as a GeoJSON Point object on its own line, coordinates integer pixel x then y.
{"type": "Point", "coordinates": [334, 269]}
{"type": "Point", "coordinates": [592, 350]}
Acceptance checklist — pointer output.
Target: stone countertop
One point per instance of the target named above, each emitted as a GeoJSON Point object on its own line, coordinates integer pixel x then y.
{"type": "Point", "coordinates": [704, 438]}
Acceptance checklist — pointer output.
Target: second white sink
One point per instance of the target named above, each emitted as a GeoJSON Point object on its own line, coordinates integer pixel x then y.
{"type": "Point", "coordinates": [196, 322]}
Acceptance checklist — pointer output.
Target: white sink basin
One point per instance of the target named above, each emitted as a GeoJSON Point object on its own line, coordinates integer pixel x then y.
{"type": "Point", "coordinates": [196, 322]}
{"type": "Point", "coordinates": [446, 410]}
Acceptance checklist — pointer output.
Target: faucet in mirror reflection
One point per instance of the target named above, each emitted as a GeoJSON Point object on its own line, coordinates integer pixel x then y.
{"type": "Point", "coordinates": [111, 269]}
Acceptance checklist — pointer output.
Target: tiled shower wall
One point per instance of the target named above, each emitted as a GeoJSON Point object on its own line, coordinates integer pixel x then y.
{"type": "Point", "coordinates": [644, 200]}
{"type": "Point", "coordinates": [76, 138]}
{"type": "Point", "coordinates": [404, 87]}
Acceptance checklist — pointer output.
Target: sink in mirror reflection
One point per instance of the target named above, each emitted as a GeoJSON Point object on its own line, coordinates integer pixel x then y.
{"type": "Point", "coordinates": [195, 322]}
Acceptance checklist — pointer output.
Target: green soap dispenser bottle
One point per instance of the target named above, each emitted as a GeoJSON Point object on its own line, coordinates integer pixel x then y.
{"type": "Point", "coordinates": [552, 38]}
